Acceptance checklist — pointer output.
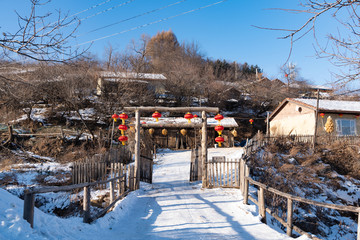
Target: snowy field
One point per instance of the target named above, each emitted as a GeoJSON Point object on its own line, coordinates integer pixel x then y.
{"type": "Point", "coordinates": [170, 208]}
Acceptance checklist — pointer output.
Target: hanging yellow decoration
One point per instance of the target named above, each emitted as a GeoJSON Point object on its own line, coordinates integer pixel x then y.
{"type": "Point", "coordinates": [151, 131]}
{"type": "Point", "coordinates": [183, 132]}
{"type": "Point", "coordinates": [234, 133]}
{"type": "Point", "coordinates": [329, 125]}
{"type": "Point", "coordinates": [164, 132]}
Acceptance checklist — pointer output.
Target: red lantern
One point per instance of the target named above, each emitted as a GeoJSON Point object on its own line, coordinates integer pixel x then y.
{"type": "Point", "coordinates": [251, 121]}
{"type": "Point", "coordinates": [219, 117]}
{"type": "Point", "coordinates": [114, 117]}
{"type": "Point", "coordinates": [219, 129]}
{"type": "Point", "coordinates": [322, 115]}
{"type": "Point", "coordinates": [219, 140]}
{"type": "Point", "coordinates": [357, 116]}
{"type": "Point", "coordinates": [340, 114]}
{"type": "Point", "coordinates": [195, 116]}
{"type": "Point", "coordinates": [123, 128]}
{"type": "Point", "coordinates": [156, 115]}
{"type": "Point", "coordinates": [123, 139]}
{"type": "Point", "coordinates": [189, 116]}
{"type": "Point", "coordinates": [123, 117]}
{"type": "Point", "coordinates": [286, 75]}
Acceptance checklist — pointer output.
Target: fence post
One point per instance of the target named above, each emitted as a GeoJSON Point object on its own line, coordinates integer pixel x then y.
{"type": "Point", "coordinates": [358, 228]}
{"type": "Point", "coordinates": [29, 202]}
{"type": "Point", "coordinates": [262, 207]}
{"type": "Point", "coordinates": [112, 191]}
{"type": "Point", "coordinates": [246, 184]}
{"type": "Point", "coordinates": [86, 205]}
{"type": "Point", "coordinates": [131, 179]}
{"type": "Point", "coordinates": [290, 208]}
{"type": "Point", "coordinates": [241, 175]}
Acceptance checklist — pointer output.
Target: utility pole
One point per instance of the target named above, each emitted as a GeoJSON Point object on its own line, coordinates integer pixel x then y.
{"type": "Point", "coordinates": [316, 118]}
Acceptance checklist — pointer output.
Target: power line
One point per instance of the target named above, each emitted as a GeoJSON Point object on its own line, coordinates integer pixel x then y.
{"type": "Point", "coordinates": [106, 10]}
{"type": "Point", "coordinates": [151, 23]}
{"type": "Point", "coordinates": [95, 6]}
{"type": "Point", "coordinates": [127, 19]}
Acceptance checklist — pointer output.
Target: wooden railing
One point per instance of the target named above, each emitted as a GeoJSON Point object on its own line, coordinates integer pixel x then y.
{"type": "Point", "coordinates": [260, 202]}
{"type": "Point", "coordinates": [117, 183]}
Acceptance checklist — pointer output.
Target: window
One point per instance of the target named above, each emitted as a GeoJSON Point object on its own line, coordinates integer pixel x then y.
{"type": "Point", "coordinates": [346, 126]}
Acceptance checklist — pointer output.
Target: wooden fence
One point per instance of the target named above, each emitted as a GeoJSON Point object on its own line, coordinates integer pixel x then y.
{"type": "Point", "coordinates": [97, 167]}
{"type": "Point", "coordinates": [223, 172]}
{"type": "Point", "coordinates": [195, 165]}
{"type": "Point", "coordinates": [119, 187]}
{"type": "Point", "coordinates": [245, 180]}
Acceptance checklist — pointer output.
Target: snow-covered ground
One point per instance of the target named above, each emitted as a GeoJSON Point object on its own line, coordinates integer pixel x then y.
{"type": "Point", "coordinates": [170, 208]}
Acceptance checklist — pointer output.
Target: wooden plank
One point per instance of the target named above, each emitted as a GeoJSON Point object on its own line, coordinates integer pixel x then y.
{"type": "Point", "coordinates": [86, 205]}
{"type": "Point", "coordinates": [228, 175]}
{"type": "Point", "coordinates": [112, 192]}
{"type": "Point", "coordinates": [262, 207]}
{"type": "Point", "coordinates": [358, 228]}
{"type": "Point", "coordinates": [29, 203]}
{"type": "Point", "coordinates": [246, 185]}
{"type": "Point", "coordinates": [137, 149]}
{"type": "Point", "coordinates": [204, 151]}
{"type": "Point", "coordinates": [304, 200]}
{"type": "Point", "coordinates": [173, 109]}
{"type": "Point", "coordinates": [289, 224]}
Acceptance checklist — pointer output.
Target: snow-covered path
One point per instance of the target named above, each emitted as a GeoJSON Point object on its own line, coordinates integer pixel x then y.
{"type": "Point", "coordinates": [173, 208]}
{"type": "Point", "coordinates": [170, 208]}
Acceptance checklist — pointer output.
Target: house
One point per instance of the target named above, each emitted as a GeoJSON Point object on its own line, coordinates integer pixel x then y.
{"type": "Point", "coordinates": [108, 81]}
{"type": "Point", "coordinates": [296, 116]}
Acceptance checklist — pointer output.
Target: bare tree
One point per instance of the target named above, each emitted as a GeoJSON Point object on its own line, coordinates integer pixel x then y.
{"type": "Point", "coordinates": [41, 37]}
{"type": "Point", "coordinates": [343, 49]}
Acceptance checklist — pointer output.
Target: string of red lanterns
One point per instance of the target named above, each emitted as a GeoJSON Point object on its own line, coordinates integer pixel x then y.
{"type": "Point", "coordinates": [219, 129]}
{"type": "Point", "coordinates": [122, 127]}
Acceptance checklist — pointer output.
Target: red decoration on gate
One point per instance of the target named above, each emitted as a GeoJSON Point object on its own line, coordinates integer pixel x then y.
{"type": "Point", "coordinates": [123, 128]}
{"type": "Point", "coordinates": [156, 115]}
{"type": "Point", "coordinates": [251, 121]}
{"type": "Point", "coordinates": [123, 139]}
{"type": "Point", "coordinates": [322, 115]}
{"type": "Point", "coordinates": [189, 116]}
{"type": "Point", "coordinates": [219, 129]}
{"type": "Point", "coordinates": [123, 117]}
{"type": "Point", "coordinates": [114, 117]}
{"type": "Point", "coordinates": [340, 114]}
{"type": "Point", "coordinates": [219, 140]}
{"type": "Point", "coordinates": [219, 117]}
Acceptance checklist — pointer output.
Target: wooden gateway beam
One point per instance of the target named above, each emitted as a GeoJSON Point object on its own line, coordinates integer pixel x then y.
{"type": "Point", "coordinates": [173, 109]}
{"type": "Point", "coordinates": [204, 152]}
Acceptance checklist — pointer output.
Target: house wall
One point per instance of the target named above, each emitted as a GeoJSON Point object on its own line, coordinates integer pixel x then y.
{"type": "Point", "coordinates": [292, 120]}
{"type": "Point", "coordinates": [322, 121]}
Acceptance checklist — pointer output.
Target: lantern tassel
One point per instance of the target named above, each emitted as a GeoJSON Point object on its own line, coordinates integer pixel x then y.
{"type": "Point", "coordinates": [219, 132]}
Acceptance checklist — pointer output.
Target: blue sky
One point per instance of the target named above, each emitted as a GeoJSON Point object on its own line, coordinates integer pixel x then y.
{"type": "Point", "coordinates": [223, 31]}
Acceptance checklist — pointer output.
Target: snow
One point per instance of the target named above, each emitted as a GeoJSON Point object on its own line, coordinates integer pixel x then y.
{"type": "Point", "coordinates": [226, 122]}
{"type": "Point", "coordinates": [148, 76]}
{"type": "Point", "coordinates": [333, 105]}
{"type": "Point", "coordinates": [170, 208]}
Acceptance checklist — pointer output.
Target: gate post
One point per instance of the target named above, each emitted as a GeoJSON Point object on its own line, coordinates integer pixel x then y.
{"type": "Point", "coordinates": [137, 149]}
{"type": "Point", "coordinates": [204, 153]}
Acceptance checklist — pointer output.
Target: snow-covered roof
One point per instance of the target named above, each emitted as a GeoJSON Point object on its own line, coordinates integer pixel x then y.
{"type": "Point", "coordinates": [227, 122]}
{"type": "Point", "coordinates": [332, 105]}
{"type": "Point", "coordinates": [132, 75]}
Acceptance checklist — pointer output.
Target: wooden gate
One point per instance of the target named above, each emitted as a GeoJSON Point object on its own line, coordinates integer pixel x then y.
{"type": "Point", "coordinates": [146, 169]}
{"type": "Point", "coordinates": [195, 165]}
{"type": "Point", "coordinates": [223, 172]}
